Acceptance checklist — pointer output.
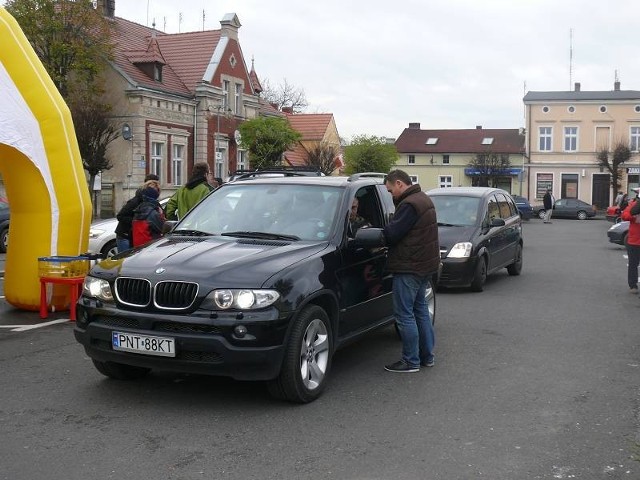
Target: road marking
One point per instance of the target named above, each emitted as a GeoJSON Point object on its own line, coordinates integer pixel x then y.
{"type": "Point", "coordinates": [24, 328]}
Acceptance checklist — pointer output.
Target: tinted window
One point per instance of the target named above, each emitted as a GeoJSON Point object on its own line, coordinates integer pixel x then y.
{"type": "Point", "coordinates": [456, 210]}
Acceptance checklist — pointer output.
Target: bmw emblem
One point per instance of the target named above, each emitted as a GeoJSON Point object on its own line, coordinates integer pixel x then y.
{"type": "Point", "coordinates": [160, 271]}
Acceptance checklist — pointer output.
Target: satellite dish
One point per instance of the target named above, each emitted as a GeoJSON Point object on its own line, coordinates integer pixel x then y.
{"type": "Point", "coordinates": [126, 132]}
{"type": "Point", "coordinates": [237, 136]}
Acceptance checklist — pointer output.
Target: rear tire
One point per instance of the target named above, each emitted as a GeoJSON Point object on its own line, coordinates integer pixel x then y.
{"type": "Point", "coordinates": [120, 371]}
{"type": "Point", "coordinates": [582, 215]}
{"type": "Point", "coordinates": [480, 276]}
{"type": "Point", "coordinates": [516, 267]}
{"type": "Point", "coordinates": [307, 358]}
{"type": "Point", "coordinates": [541, 214]}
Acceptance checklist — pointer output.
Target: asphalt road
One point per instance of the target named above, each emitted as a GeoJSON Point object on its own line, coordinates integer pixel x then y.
{"type": "Point", "coordinates": [536, 377]}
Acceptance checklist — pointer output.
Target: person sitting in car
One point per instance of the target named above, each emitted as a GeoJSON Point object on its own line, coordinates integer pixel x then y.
{"type": "Point", "coordinates": [356, 222]}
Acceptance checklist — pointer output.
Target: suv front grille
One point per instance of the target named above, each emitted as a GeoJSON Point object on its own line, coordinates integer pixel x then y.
{"type": "Point", "coordinates": [137, 292]}
{"type": "Point", "coordinates": [175, 295]}
{"type": "Point", "coordinates": [133, 291]}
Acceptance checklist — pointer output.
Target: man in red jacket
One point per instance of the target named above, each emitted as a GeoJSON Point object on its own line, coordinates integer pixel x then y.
{"type": "Point", "coordinates": [630, 214]}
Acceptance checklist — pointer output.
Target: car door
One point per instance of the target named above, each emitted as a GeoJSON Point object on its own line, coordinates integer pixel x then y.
{"type": "Point", "coordinates": [562, 209]}
{"type": "Point", "coordinates": [364, 286]}
{"type": "Point", "coordinates": [495, 242]}
{"type": "Point", "coordinates": [512, 229]}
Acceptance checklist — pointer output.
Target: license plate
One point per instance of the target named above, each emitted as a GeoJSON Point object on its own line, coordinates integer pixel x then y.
{"type": "Point", "coordinates": [130, 342]}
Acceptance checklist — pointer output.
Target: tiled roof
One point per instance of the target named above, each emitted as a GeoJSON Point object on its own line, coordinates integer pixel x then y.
{"type": "Point", "coordinates": [312, 126]}
{"type": "Point", "coordinates": [296, 157]}
{"type": "Point", "coordinates": [580, 95]}
{"type": "Point", "coordinates": [413, 140]}
{"type": "Point", "coordinates": [186, 55]}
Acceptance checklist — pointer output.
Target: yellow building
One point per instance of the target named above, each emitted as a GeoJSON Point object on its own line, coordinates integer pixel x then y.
{"type": "Point", "coordinates": [441, 158]}
{"type": "Point", "coordinates": [565, 130]}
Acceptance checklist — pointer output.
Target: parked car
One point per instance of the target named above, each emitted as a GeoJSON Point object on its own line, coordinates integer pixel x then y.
{"type": "Point", "coordinates": [524, 207]}
{"type": "Point", "coordinates": [480, 232]}
{"type": "Point", "coordinates": [102, 235]}
{"type": "Point", "coordinates": [617, 233]}
{"type": "Point", "coordinates": [568, 208]}
{"type": "Point", "coordinates": [261, 280]}
{"type": "Point", "coordinates": [4, 226]}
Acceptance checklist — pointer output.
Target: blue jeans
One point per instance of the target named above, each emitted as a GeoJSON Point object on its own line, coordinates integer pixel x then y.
{"type": "Point", "coordinates": [122, 244]}
{"type": "Point", "coordinates": [412, 317]}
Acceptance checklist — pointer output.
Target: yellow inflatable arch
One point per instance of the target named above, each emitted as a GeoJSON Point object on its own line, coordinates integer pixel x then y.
{"type": "Point", "coordinates": [42, 170]}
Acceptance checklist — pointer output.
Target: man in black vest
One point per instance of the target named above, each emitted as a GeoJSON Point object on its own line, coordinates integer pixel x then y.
{"type": "Point", "coordinates": [414, 256]}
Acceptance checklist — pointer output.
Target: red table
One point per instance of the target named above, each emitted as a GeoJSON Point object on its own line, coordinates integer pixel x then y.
{"type": "Point", "coordinates": [75, 284]}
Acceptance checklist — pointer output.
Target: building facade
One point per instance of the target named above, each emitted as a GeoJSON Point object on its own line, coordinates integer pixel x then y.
{"type": "Point", "coordinates": [442, 158]}
{"type": "Point", "coordinates": [566, 130]}
{"type": "Point", "coordinates": [177, 99]}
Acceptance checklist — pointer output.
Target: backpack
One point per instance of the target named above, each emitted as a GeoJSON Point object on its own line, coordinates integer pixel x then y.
{"type": "Point", "coordinates": [142, 231]}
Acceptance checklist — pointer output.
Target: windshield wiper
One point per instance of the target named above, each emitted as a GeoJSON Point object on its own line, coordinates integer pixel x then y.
{"type": "Point", "coordinates": [440, 224]}
{"type": "Point", "coordinates": [265, 235]}
{"type": "Point", "coordinates": [192, 233]}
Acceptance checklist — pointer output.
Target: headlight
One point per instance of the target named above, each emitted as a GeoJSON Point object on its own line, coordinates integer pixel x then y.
{"type": "Point", "coordinates": [240, 299]}
{"type": "Point", "coordinates": [460, 250]}
{"type": "Point", "coordinates": [95, 232]}
{"type": "Point", "coordinates": [97, 288]}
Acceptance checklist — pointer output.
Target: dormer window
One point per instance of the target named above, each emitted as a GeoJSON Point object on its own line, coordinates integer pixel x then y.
{"type": "Point", "coordinates": [431, 141]}
{"type": "Point", "coordinates": [487, 141]}
{"type": "Point", "coordinates": [157, 72]}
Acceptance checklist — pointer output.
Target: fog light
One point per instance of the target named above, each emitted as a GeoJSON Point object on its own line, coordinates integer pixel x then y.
{"type": "Point", "coordinates": [240, 331]}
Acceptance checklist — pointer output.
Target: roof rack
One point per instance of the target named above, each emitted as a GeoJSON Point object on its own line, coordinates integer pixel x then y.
{"type": "Point", "coordinates": [358, 176]}
{"type": "Point", "coordinates": [284, 171]}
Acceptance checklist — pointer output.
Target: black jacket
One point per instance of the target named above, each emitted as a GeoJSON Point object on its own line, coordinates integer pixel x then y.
{"type": "Point", "coordinates": [125, 215]}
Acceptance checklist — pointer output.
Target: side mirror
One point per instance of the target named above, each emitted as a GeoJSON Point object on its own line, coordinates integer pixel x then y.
{"type": "Point", "coordinates": [168, 226]}
{"type": "Point", "coordinates": [497, 222]}
{"type": "Point", "coordinates": [369, 237]}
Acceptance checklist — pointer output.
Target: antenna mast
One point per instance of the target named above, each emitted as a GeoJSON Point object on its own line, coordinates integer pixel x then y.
{"type": "Point", "coordinates": [570, 58]}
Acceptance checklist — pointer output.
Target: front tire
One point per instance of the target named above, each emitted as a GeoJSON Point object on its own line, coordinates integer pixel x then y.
{"type": "Point", "coordinates": [120, 371]}
{"type": "Point", "coordinates": [109, 250]}
{"type": "Point", "coordinates": [480, 275]}
{"type": "Point", "coordinates": [582, 215]}
{"type": "Point", "coordinates": [516, 267]}
{"type": "Point", "coordinates": [307, 359]}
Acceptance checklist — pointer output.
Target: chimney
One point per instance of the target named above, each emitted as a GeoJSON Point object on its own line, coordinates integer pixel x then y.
{"type": "Point", "coordinates": [288, 110]}
{"type": "Point", "coordinates": [577, 86]}
{"type": "Point", "coordinates": [229, 26]}
{"type": "Point", "coordinates": [616, 86]}
{"type": "Point", "coordinates": [414, 125]}
{"type": "Point", "coordinates": [478, 127]}
{"type": "Point", "coordinates": [106, 7]}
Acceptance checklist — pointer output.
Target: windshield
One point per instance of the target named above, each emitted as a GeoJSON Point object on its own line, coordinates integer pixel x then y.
{"type": "Point", "coordinates": [286, 211]}
{"type": "Point", "coordinates": [456, 210]}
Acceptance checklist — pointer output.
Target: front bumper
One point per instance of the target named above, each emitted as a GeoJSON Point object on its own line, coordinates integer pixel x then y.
{"type": "Point", "coordinates": [616, 237]}
{"type": "Point", "coordinates": [204, 345]}
{"type": "Point", "coordinates": [457, 272]}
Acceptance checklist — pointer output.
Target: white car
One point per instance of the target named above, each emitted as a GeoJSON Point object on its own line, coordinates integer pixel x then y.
{"type": "Point", "coordinates": [102, 235]}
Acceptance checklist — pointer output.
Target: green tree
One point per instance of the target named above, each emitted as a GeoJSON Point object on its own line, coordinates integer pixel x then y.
{"type": "Point", "coordinates": [71, 39]}
{"type": "Point", "coordinates": [611, 161]}
{"type": "Point", "coordinates": [490, 166]}
{"type": "Point", "coordinates": [266, 139]}
{"type": "Point", "coordinates": [369, 154]}
{"type": "Point", "coordinates": [323, 157]}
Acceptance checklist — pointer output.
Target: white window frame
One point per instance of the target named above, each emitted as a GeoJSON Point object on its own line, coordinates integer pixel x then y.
{"type": "Point", "coordinates": [157, 159]}
{"type": "Point", "coordinates": [225, 94]}
{"type": "Point", "coordinates": [411, 159]}
{"type": "Point", "coordinates": [446, 160]}
{"type": "Point", "coordinates": [445, 181]}
{"type": "Point", "coordinates": [487, 141]}
{"type": "Point", "coordinates": [241, 160]}
{"type": "Point", "coordinates": [634, 138]}
{"type": "Point", "coordinates": [177, 163]}
{"type": "Point", "coordinates": [414, 179]}
{"type": "Point", "coordinates": [545, 134]}
{"type": "Point", "coordinates": [238, 99]}
{"type": "Point", "coordinates": [571, 133]}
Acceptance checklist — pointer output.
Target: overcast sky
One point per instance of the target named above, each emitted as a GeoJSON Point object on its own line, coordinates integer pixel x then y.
{"type": "Point", "coordinates": [379, 64]}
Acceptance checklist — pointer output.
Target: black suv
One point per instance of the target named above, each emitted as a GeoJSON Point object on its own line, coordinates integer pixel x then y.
{"type": "Point", "coordinates": [262, 280]}
{"type": "Point", "coordinates": [480, 232]}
